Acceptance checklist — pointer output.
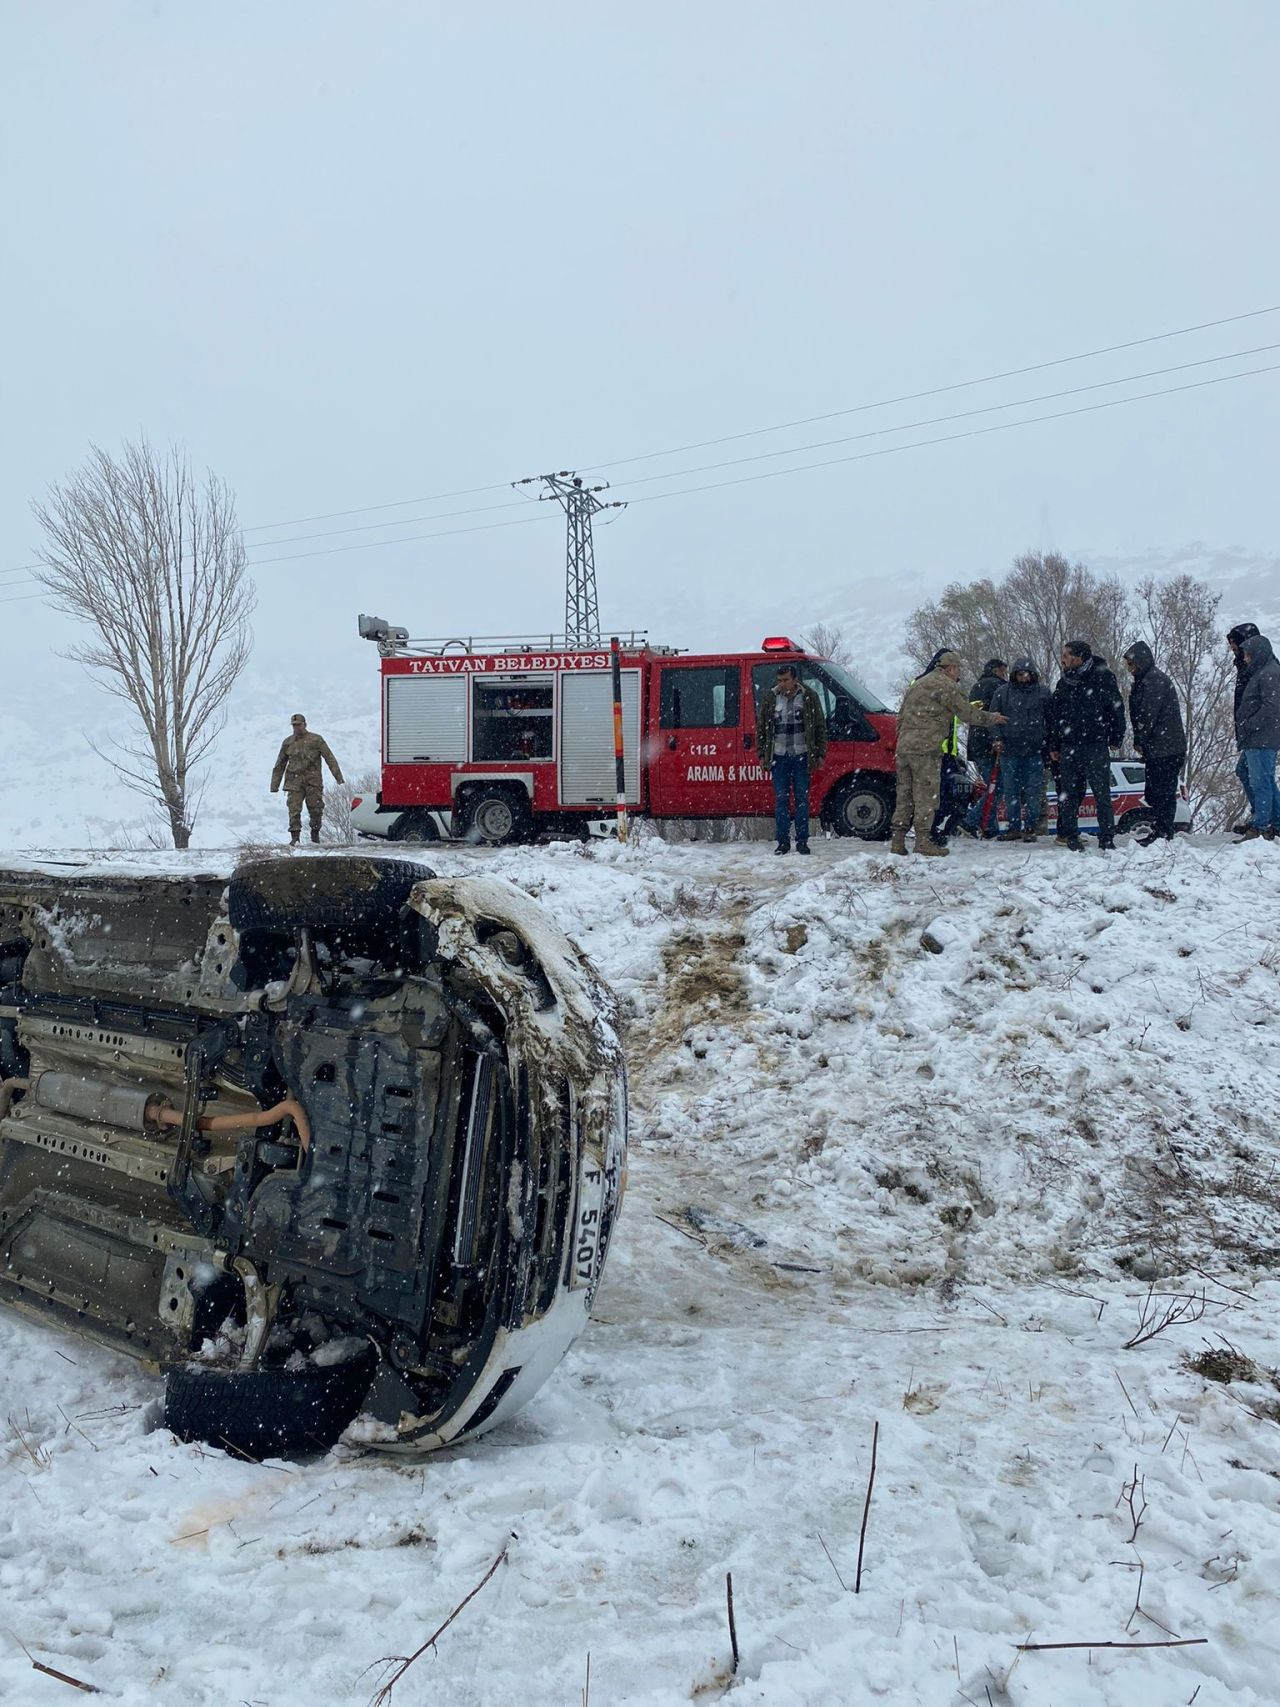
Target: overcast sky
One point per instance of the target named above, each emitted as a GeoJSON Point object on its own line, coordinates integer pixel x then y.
{"type": "Point", "coordinates": [359, 253]}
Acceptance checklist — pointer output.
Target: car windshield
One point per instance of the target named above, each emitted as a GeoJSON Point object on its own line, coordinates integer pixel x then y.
{"type": "Point", "coordinates": [853, 685]}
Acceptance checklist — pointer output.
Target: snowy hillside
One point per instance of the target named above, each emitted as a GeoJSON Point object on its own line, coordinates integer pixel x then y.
{"type": "Point", "coordinates": [920, 1144]}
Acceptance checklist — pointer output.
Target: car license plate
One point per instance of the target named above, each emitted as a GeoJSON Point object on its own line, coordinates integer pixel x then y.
{"type": "Point", "coordinates": [584, 1259]}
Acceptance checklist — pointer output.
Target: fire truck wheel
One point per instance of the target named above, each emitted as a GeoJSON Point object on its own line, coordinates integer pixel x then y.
{"type": "Point", "coordinates": [861, 808]}
{"type": "Point", "coordinates": [497, 815]}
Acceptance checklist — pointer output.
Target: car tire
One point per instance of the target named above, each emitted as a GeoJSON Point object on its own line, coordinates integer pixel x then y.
{"type": "Point", "coordinates": [1139, 819]}
{"type": "Point", "coordinates": [263, 1413]}
{"type": "Point", "coordinates": [281, 894]}
{"type": "Point", "coordinates": [497, 816]}
{"type": "Point", "coordinates": [414, 827]}
{"type": "Point", "coordinates": [861, 808]}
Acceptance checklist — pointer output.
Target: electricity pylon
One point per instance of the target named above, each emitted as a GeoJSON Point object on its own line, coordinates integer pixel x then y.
{"type": "Point", "coordinates": [581, 604]}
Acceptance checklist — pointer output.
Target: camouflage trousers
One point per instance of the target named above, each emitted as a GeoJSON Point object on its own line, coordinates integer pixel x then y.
{"type": "Point", "coordinates": [313, 795]}
{"type": "Point", "coordinates": [919, 792]}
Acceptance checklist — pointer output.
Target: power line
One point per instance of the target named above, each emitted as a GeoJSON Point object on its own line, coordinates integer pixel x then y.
{"type": "Point", "coordinates": [960, 415]}
{"type": "Point", "coordinates": [802, 421]}
{"type": "Point", "coordinates": [21, 598]}
{"type": "Point", "coordinates": [367, 509]}
{"type": "Point", "coordinates": [950, 438]}
{"type": "Point", "coordinates": [404, 521]}
{"type": "Point", "coordinates": [372, 544]}
{"type": "Point", "coordinates": [792, 450]}
{"type": "Point", "coordinates": [939, 390]}
{"type": "Point", "coordinates": [777, 473]}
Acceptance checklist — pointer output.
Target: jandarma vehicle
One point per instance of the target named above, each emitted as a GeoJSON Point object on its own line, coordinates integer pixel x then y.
{"type": "Point", "coordinates": [331, 1137]}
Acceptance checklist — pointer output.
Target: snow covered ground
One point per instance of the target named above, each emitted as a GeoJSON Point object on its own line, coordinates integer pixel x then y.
{"type": "Point", "coordinates": [915, 1143]}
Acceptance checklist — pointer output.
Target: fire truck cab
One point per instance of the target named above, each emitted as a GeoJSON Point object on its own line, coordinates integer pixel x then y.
{"type": "Point", "coordinates": [500, 738]}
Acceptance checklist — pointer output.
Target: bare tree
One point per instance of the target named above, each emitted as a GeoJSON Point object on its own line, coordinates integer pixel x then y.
{"type": "Point", "coordinates": [1179, 618]}
{"type": "Point", "coordinates": [1043, 601]}
{"type": "Point", "coordinates": [828, 640]}
{"type": "Point", "coordinates": [152, 561]}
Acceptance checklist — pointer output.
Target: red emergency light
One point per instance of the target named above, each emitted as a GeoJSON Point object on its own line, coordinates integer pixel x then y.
{"type": "Point", "coordinates": [778, 643]}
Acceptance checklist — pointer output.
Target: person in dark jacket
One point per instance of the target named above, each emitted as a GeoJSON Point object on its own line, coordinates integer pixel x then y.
{"type": "Point", "coordinates": [1158, 736]}
{"type": "Point", "coordinates": [995, 673]}
{"type": "Point", "coordinates": [1258, 733]}
{"type": "Point", "coordinates": [1019, 746]}
{"type": "Point", "coordinates": [981, 750]}
{"type": "Point", "coordinates": [1235, 638]}
{"type": "Point", "coordinates": [1086, 720]}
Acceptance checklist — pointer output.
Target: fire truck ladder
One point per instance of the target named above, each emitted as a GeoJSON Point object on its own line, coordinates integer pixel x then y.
{"type": "Point", "coordinates": [394, 642]}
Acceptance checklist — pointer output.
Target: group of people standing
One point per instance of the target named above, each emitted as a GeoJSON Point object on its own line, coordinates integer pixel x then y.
{"type": "Point", "coordinates": [1020, 731]}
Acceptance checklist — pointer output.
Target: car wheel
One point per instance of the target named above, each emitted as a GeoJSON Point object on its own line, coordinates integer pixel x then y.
{"type": "Point", "coordinates": [496, 815]}
{"type": "Point", "coordinates": [1138, 819]}
{"type": "Point", "coordinates": [265, 1412]}
{"type": "Point", "coordinates": [414, 827]}
{"type": "Point", "coordinates": [862, 809]}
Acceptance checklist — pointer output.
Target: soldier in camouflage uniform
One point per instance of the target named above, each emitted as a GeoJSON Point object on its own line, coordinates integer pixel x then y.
{"type": "Point", "coordinates": [930, 704]}
{"type": "Point", "coordinates": [298, 765]}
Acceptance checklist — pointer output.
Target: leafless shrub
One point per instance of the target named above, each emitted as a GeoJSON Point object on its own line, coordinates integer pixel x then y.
{"type": "Point", "coordinates": [337, 805]}
{"type": "Point", "coordinates": [1133, 1496]}
{"type": "Point", "coordinates": [1165, 1310]}
{"type": "Point", "coordinates": [153, 563]}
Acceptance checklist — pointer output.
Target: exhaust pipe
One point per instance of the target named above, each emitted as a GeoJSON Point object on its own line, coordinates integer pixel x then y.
{"type": "Point", "coordinates": [138, 1110]}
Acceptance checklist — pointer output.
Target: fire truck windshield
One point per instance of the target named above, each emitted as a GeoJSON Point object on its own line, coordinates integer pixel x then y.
{"type": "Point", "coordinates": [844, 699]}
{"type": "Point", "coordinates": [844, 677]}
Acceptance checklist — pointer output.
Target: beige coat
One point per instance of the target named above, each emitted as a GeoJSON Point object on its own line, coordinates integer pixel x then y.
{"type": "Point", "coordinates": [928, 706]}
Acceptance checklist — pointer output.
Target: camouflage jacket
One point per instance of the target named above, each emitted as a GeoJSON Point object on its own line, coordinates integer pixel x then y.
{"type": "Point", "coordinates": [298, 761]}
{"type": "Point", "coordinates": [928, 706]}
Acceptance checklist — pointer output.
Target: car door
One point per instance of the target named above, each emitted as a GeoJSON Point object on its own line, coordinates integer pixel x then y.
{"type": "Point", "coordinates": [697, 751]}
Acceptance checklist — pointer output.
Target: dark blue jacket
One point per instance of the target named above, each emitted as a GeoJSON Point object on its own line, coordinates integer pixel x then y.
{"type": "Point", "coordinates": [1258, 713]}
{"type": "Point", "coordinates": [1086, 709]}
{"type": "Point", "coordinates": [1026, 705]}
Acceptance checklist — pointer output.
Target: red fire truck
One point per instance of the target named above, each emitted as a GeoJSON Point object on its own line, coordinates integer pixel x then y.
{"type": "Point", "coordinates": [496, 738]}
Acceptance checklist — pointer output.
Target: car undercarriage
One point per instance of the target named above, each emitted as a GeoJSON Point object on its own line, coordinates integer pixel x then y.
{"type": "Point", "coordinates": [329, 1136]}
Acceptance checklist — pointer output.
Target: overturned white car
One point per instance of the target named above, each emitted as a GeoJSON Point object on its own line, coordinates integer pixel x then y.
{"type": "Point", "coordinates": [330, 1137]}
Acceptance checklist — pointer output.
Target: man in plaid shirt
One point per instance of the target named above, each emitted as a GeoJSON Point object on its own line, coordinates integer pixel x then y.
{"type": "Point", "coordinates": [791, 735]}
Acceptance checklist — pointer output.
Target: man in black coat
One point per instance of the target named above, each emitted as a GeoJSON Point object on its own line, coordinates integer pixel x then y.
{"type": "Point", "coordinates": [981, 743]}
{"type": "Point", "coordinates": [1086, 720]}
{"type": "Point", "coordinates": [1236, 638]}
{"type": "Point", "coordinates": [1158, 736]}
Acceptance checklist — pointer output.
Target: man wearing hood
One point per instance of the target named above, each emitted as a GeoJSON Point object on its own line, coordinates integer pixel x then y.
{"type": "Point", "coordinates": [929, 705]}
{"type": "Point", "coordinates": [1258, 733]}
{"type": "Point", "coordinates": [1086, 719]}
{"type": "Point", "coordinates": [1158, 737]}
{"type": "Point", "coordinates": [1024, 701]}
{"type": "Point", "coordinates": [1235, 639]}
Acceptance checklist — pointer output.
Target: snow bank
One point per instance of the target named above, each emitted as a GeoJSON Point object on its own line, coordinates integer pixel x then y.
{"type": "Point", "coordinates": [907, 1138]}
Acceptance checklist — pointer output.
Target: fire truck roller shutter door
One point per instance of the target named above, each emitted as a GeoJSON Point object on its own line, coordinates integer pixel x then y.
{"type": "Point", "coordinates": [587, 772]}
{"type": "Point", "coordinates": [426, 719]}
